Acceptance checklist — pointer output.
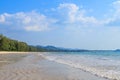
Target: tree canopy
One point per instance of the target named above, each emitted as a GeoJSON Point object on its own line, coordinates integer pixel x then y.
{"type": "Point", "coordinates": [7, 44]}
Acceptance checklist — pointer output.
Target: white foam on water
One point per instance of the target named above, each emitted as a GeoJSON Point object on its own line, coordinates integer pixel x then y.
{"type": "Point", "coordinates": [97, 65]}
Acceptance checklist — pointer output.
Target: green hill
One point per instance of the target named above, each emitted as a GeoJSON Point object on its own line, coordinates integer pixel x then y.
{"type": "Point", "coordinates": [7, 44]}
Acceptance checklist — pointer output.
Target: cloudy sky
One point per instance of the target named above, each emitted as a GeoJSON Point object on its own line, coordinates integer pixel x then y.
{"type": "Point", "coordinates": [84, 24]}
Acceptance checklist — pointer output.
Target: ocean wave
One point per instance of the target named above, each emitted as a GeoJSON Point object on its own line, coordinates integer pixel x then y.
{"type": "Point", "coordinates": [95, 68]}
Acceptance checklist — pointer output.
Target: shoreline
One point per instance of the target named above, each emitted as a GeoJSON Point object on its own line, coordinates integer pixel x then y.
{"type": "Point", "coordinates": [6, 52]}
{"type": "Point", "coordinates": [36, 67]}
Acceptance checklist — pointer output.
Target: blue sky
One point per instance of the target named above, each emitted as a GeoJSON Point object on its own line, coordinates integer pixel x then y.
{"type": "Point", "coordinates": [84, 24]}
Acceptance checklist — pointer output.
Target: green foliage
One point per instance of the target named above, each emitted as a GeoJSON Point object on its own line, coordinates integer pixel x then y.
{"type": "Point", "coordinates": [32, 48]}
{"type": "Point", "coordinates": [7, 44]}
{"type": "Point", "coordinates": [21, 46]}
{"type": "Point", "coordinates": [13, 45]}
{"type": "Point", "coordinates": [4, 43]}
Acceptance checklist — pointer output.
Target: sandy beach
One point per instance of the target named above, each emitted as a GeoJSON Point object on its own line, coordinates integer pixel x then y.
{"type": "Point", "coordinates": [33, 66]}
{"type": "Point", "coordinates": [11, 57]}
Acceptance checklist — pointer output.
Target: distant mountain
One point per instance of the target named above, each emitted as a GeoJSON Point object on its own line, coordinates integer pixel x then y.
{"type": "Point", "coordinates": [7, 44]}
{"type": "Point", "coordinates": [59, 49]}
{"type": "Point", "coordinates": [117, 50]}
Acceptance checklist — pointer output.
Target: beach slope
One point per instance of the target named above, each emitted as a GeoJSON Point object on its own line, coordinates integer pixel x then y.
{"type": "Point", "coordinates": [35, 67]}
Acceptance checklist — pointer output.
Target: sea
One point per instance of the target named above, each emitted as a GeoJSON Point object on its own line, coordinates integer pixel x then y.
{"type": "Point", "coordinates": [100, 63]}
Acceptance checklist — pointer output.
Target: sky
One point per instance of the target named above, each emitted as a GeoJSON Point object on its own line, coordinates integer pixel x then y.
{"type": "Point", "coordinates": [83, 24]}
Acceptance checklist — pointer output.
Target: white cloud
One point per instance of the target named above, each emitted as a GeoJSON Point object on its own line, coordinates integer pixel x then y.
{"type": "Point", "coordinates": [2, 19]}
{"type": "Point", "coordinates": [35, 28]}
{"type": "Point", "coordinates": [69, 14]}
{"type": "Point", "coordinates": [31, 21]}
{"type": "Point", "coordinates": [69, 10]}
{"type": "Point", "coordinates": [114, 18]}
{"type": "Point", "coordinates": [73, 14]}
{"type": "Point", "coordinates": [116, 4]}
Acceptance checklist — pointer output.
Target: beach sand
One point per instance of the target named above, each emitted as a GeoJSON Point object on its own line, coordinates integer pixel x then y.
{"type": "Point", "coordinates": [10, 57]}
{"type": "Point", "coordinates": [34, 67]}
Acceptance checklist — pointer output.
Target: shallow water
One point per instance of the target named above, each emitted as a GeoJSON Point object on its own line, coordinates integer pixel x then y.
{"type": "Point", "coordinates": [104, 64]}
{"type": "Point", "coordinates": [35, 67]}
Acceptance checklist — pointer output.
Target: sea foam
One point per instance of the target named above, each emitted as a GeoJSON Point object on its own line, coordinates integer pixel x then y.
{"type": "Point", "coordinates": [100, 65]}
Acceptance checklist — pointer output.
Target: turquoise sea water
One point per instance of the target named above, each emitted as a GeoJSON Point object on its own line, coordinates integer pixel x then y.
{"type": "Point", "coordinates": [101, 63]}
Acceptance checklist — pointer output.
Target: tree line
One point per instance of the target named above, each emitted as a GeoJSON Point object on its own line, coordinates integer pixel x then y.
{"type": "Point", "coordinates": [7, 44]}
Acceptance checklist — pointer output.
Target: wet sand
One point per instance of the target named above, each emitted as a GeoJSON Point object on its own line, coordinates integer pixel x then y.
{"type": "Point", "coordinates": [34, 67]}
{"type": "Point", "coordinates": [11, 57]}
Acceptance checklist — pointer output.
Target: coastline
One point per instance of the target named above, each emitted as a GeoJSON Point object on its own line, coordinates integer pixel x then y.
{"type": "Point", "coordinates": [35, 67]}
{"type": "Point", "coordinates": [6, 52]}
